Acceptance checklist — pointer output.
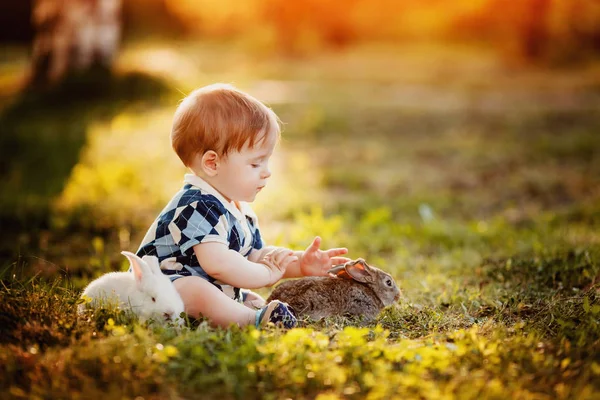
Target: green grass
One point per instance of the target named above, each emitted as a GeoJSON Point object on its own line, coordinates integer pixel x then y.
{"type": "Point", "coordinates": [489, 221]}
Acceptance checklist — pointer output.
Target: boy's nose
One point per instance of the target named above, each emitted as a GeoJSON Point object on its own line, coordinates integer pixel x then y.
{"type": "Point", "coordinates": [266, 173]}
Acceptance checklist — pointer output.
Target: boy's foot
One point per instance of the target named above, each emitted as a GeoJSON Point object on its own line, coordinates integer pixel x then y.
{"type": "Point", "coordinates": [277, 312]}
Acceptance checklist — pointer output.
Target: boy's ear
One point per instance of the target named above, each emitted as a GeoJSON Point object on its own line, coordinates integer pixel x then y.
{"type": "Point", "coordinates": [209, 163]}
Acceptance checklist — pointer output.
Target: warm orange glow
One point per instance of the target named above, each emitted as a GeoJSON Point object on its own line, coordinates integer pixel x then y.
{"type": "Point", "coordinates": [533, 28]}
{"type": "Point", "coordinates": [222, 17]}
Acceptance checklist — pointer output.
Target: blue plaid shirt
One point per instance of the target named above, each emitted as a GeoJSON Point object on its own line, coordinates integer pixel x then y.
{"type": "Point", "coordinates": [198, 213]}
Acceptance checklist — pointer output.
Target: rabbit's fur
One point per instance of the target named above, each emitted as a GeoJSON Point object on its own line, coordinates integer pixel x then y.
{"type": "Point", "coordinates": [356, 288]}
{"type": "Point", "coordinates": [146, 291]}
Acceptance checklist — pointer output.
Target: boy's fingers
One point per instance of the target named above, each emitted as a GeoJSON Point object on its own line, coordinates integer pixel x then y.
{"type": "Point", "coordinates": [279, 258]}
{"type": "Point", "coordinates": [315, 244]}
{"type": "Point", "coordinates": [282, 254]}
{"type": "Point", "coordinates": [273, 258]}
{"type": "Point", "coordinates": [270, 254]}
{"type": "Point", "coordinates": [268, 264]}
{"type": "Point", "coordinates": [337, 252]}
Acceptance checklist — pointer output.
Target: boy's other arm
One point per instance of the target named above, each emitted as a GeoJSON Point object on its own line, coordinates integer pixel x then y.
{"type": "Point", "coordinates": [311, 262]}
{"type": "Point", "coordinates": [292, 270]}
{"type": "Point", "coordinates": [231, 267]}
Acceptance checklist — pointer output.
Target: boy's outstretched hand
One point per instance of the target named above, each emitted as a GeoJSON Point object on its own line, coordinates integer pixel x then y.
{"type": "Point", "coordinates": [315, 261]}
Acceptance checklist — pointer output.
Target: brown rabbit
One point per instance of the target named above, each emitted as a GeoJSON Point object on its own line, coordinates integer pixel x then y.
{"type": "Point", "coordinates": [356, 288]}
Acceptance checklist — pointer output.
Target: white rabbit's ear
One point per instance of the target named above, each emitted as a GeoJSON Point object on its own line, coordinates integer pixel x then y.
{"type": "Point", "coordinates": [360, 271]}
{"type": "Point", "coordinates": [137, 264]}
{"type": "Point", "coordinates": [152, 263]}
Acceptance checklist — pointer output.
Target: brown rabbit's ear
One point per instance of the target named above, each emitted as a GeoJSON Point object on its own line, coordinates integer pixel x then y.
{"type": "Point", "coordinates": [339, 271]}
{"type": "Point", "coordinates": [360, 271]}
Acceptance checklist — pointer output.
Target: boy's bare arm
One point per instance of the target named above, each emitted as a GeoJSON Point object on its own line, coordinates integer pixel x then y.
{"type": "Point", "coordinates": [230, 267]}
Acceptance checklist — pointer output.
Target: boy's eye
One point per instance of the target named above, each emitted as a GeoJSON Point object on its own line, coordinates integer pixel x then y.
{"type": "Point", "coordinates": [255, 165]}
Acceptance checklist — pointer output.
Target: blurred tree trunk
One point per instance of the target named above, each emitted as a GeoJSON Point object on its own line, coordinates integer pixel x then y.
{"type": "Point", "coordinates": [73, 35]}
{"type": "Point", "coordinates": [534, 33]}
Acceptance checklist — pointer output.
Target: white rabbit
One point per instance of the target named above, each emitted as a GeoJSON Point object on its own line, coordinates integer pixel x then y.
{"type": "Point", "coordinates": [146, 291]}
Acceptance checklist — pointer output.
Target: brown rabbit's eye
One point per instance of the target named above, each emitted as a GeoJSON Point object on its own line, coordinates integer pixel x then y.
{"type": "Point", "coordinates": [154, 299]}
{"type": "Point", "coordinates": [388, 282]}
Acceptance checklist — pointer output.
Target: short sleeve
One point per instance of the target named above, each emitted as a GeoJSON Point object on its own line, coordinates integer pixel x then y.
{"type": "Point", "coordinates": [201, 221]}
{"type": "Point", "coordinates": [257, 242]}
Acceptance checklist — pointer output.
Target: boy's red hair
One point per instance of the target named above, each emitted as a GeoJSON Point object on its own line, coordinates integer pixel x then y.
{"type": "Point", "coordinates": [221, 118]}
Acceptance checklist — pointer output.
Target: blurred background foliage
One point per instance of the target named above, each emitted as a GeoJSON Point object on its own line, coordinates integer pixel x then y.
{"type": "Point", "coordinates": [549, 31]}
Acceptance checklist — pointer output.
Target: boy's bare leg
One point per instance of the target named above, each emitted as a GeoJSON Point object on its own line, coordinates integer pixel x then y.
{"type": "Point", "coordinates": [202, 298]}
{"type": "Point", "coordinates": [254, 300]}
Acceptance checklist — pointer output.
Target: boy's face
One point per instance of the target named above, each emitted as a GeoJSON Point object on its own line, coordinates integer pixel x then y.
{"type": "Point", "coordinates": [241, 175]}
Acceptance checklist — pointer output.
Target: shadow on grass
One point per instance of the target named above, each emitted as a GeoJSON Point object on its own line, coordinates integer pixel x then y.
{"type": "Point", "coordinates": [566, 270]}
{"type": "Point", "coordinates": [43, 133]}
{"type": "Point", "coordinates": [555, 292]}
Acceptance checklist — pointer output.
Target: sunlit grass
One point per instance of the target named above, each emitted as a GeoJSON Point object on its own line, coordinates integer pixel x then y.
{"type": "Point", "coordinates": [126, 172]}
